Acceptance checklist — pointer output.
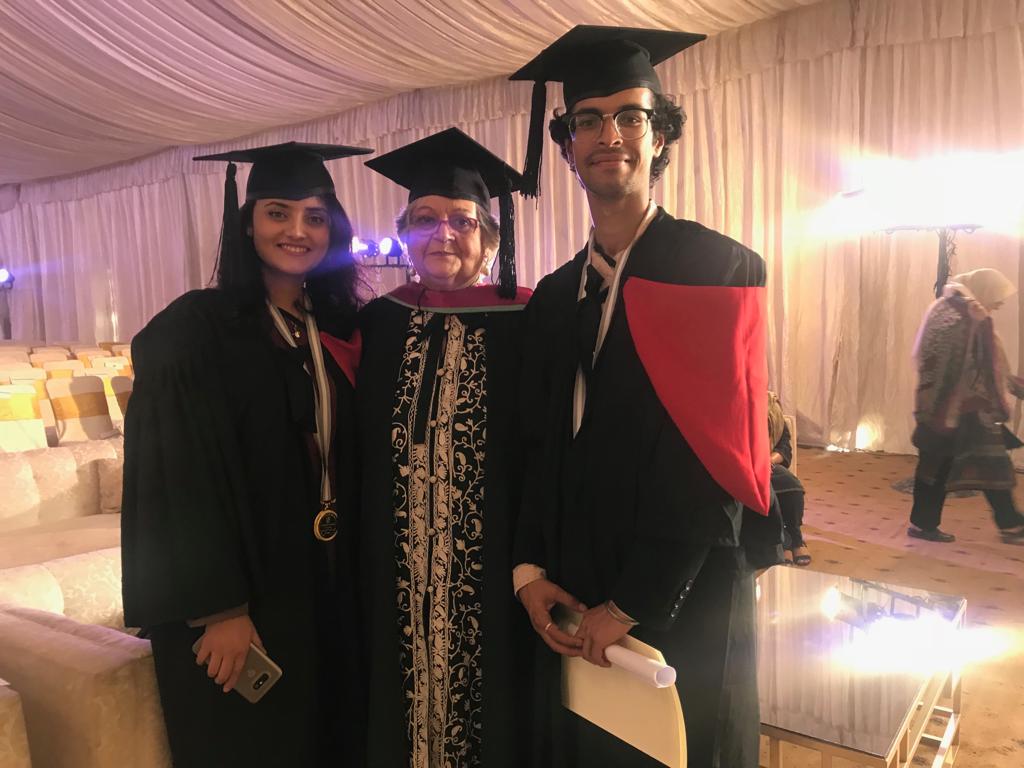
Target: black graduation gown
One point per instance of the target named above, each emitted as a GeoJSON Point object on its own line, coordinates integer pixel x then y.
{"type": "Point", "coordinates": [219, 499]}
{"type": "Point", "coordinates": [507, 646]}
{"type": "Point", "coordinates": [626, 511]}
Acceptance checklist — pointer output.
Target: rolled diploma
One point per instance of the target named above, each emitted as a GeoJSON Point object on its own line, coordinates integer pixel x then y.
{"type": "Point", "coordinates": [652, 672]}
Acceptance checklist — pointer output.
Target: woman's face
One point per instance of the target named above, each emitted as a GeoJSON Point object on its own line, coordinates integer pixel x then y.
{"type": "Point", "coordinates": [444, 242]}
{"type": "Point", "coordinates": [291, 237]}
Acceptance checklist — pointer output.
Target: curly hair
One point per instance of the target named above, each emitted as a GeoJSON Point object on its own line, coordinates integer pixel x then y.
{"type": "Point", "coordinates": [668, 120]}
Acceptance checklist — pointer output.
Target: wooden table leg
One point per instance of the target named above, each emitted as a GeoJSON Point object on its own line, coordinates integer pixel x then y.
{"type": "Point", "coordinates": [774, 753]}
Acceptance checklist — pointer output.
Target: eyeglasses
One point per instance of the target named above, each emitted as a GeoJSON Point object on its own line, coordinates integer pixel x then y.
{"type": "Point", "coordinates": [427, 224]}
{"type": "Point", "coordinates": [631, 123]}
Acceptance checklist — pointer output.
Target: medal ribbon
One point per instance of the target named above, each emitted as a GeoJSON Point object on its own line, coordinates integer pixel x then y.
{"type": "Point", "coordinates": [322, 402]}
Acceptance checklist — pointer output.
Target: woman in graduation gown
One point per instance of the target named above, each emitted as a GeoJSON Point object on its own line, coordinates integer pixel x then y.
{"type": "Point", "coordinates": [441, 457]}
{"type": "Point", "coordinates": [230, 524]}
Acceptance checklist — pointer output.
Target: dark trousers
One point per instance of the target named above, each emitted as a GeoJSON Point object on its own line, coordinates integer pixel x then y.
{"type": "Point", "coordinates": [929, 500]}
{"type": "Point", "coordinates": [790, 493]}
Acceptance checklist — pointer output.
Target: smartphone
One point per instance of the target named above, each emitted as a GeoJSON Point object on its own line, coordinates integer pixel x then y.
{"type": "Point", "coordinates": [258, 675]}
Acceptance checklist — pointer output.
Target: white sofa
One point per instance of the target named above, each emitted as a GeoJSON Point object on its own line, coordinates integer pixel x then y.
{"type": "Point", "coordinates": [13, 738]}
{"type": "Point", "coordinates": [83, 687]}
{"type": "Point", "coordinates": [60, 501]}
{"type": "Point", "coordinates": [87, 686]}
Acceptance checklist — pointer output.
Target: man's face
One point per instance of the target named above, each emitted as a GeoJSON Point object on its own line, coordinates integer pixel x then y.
{"type": "Point", "coordinates": [608, 165]}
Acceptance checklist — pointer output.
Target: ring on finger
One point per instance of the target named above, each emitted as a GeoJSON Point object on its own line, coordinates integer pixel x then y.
{"type": "Point", "coordinates": [548, 626]}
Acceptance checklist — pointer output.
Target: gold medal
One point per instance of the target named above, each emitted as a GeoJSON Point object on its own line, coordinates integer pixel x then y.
{"type": "Point", "coordinates": [325, 525]}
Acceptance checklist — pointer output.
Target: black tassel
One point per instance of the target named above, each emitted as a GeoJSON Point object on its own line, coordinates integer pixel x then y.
{"type": "Point", "coordinates": [535, 141]}
{"type": "Point", "coordinates": [229, 233]}
{"type": "Point", "coordinates": [507, 246]}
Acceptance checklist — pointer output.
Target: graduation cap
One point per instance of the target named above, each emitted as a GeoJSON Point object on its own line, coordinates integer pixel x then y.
{"type": "Point", "coordinates": [451, 164]}
{"type": "Point", "coordinates": [593, 61]}
{"type": "Point", "coordinates": [289, 171]}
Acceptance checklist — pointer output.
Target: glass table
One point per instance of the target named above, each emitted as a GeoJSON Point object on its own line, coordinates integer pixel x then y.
{"type": "Point", "coordinates": [857, 669]}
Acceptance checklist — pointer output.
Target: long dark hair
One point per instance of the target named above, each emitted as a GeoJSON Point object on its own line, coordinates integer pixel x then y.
{"type": "Point", "coordinates": [332, 286]}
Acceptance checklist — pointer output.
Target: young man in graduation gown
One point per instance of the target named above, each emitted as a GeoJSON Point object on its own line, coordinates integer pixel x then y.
{"type": "Point", "coordinates": [445, 640]}
{"type": "Point", "coordinates": [239, 476]}
{"type": "Point", "coordinates": [644, 387]}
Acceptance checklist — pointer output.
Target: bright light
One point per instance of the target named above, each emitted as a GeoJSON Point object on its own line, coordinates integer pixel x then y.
{"type": "Point", "coordinates": [385, 245]}
{"type": "Point", "coordinates": [967, 189]}
{"type": "Point", "coordinates": [833, 448]}
{"type": "Point", "coordinates": [831, 602]}
{"type": "Point", "coordinates": [5, 275]}
{"type": "Point", "coordinates": [358, 246]}
{"type": "Point", "coordinates": [925, 644]}
{"type": "Point", "coordinates": [867, 436]}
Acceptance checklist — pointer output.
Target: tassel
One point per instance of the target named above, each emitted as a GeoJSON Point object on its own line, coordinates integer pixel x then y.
{"type": "Point", "coordinates": [535, 141]}
{"type": "Point", "coordinates": [229, 233]}
{"type": "Point", "coordinates": [507, 245]}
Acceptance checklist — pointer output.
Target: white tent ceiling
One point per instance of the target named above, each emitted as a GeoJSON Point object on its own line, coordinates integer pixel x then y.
{"type": "Point", "coordinates": [88, 83]}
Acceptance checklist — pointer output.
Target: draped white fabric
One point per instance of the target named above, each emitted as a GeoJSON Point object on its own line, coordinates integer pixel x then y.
{"type": "Point", "coordinates": [90, 84]}
{"type": "Point", "coordinates": [778, 110]}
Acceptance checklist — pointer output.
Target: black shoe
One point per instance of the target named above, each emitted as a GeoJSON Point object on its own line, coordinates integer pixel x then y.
{"type": "Point", "coordinates": [1012, 535]}
{"type": "Point", "coordinates": [932, 534]}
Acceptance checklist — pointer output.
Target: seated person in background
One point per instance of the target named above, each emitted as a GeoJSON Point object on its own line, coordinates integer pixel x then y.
{"type": "Point", "coordinates": [787, 487]}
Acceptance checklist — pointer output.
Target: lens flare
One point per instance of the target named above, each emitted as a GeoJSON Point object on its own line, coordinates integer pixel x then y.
{"type": "Point", "coordinates": [925, 644]}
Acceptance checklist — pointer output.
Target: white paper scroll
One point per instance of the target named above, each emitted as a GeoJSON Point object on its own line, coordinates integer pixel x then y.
{"type": "Point", "coordinates": [634, 699]}
{"type": "Point", "coordinates": [649, 670]}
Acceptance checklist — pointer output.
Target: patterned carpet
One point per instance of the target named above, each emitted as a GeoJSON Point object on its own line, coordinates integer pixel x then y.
{"type": "Point", "coordinates": [856, 523]}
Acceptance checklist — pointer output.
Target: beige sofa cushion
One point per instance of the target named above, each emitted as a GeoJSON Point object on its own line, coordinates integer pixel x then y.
{"type": "Point", "coordinates": [19, 501]}
{"type": "Point", "coordinates": [61, 496]}
{"type": "Point", "coordinates": [13, 737]}
{"type": "Point", "coordinates": [89, 693]}
{"type": "Point", "coordinates": [91, 585]}
{"type": "Point", "coordinates": [88, 455]}
{"type": "Point", "coordinates": [111, 474]}
{"type": "Point", "coordinates": [49, 541]}
{"type": "Point", "coordinates": [31, 586]}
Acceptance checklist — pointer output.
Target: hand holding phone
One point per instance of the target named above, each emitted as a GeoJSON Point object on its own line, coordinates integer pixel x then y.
{"type": "Point", "coordinates": [225, 647]}
{"type": "Point", "coordinates": [258, 674]}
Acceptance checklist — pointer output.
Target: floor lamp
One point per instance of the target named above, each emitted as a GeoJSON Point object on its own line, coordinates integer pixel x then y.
{"type": "Point", "coordinates": [947, 248]}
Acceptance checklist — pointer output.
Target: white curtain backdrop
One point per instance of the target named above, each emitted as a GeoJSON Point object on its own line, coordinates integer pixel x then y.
{"type": "Point", "coordinates": [779, 112]}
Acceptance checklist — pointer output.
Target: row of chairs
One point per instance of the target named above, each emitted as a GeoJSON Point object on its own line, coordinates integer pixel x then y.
{"type": "Point", "coordinates": [56, 369]}
{"type": "Point", "coordinates": [75, 409]}
{"type": "Point", "coordinates": [114, 347]}
{"type": "Point", "coordinates": [89, 357]}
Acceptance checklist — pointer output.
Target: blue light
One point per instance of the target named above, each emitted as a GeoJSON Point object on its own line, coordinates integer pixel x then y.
{"type": "Point", "coordinates": [386, 245]}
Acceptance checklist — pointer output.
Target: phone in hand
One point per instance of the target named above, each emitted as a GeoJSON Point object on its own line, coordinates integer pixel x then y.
{"type": "Point", "coordinates": [258, 675]}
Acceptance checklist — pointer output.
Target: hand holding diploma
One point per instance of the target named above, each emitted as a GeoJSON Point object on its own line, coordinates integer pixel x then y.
{"type": "Point", "coordinates": [632, 695]}
{"type": "Point", "coordinates": [601, 633]}
{"type": "Point", "coordinates": [539, 598]}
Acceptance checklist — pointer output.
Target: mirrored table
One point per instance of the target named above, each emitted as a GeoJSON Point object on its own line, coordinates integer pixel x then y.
{"type": "Point", "coordinates": [857, 669]}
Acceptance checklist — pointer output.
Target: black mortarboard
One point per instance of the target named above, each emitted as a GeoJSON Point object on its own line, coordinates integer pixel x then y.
{"type": "Point", "coordinates": [289, 171]}
{"type": "Point", "coordinates": [451, 164]}
{"type": "Point", "coordinates": [593, 61]}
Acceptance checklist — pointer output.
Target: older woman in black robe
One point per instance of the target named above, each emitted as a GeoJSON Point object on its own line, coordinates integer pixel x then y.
{"type": "Point", "coordinates": [440, 450]}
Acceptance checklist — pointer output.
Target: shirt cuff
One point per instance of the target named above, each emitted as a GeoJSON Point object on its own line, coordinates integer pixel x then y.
{"type": "Point", "coordinates": [620, 615]}
{"type": "Point", "coordinates": [524, 574]}
{"type": "Point", "coordinates": [230, 613]}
